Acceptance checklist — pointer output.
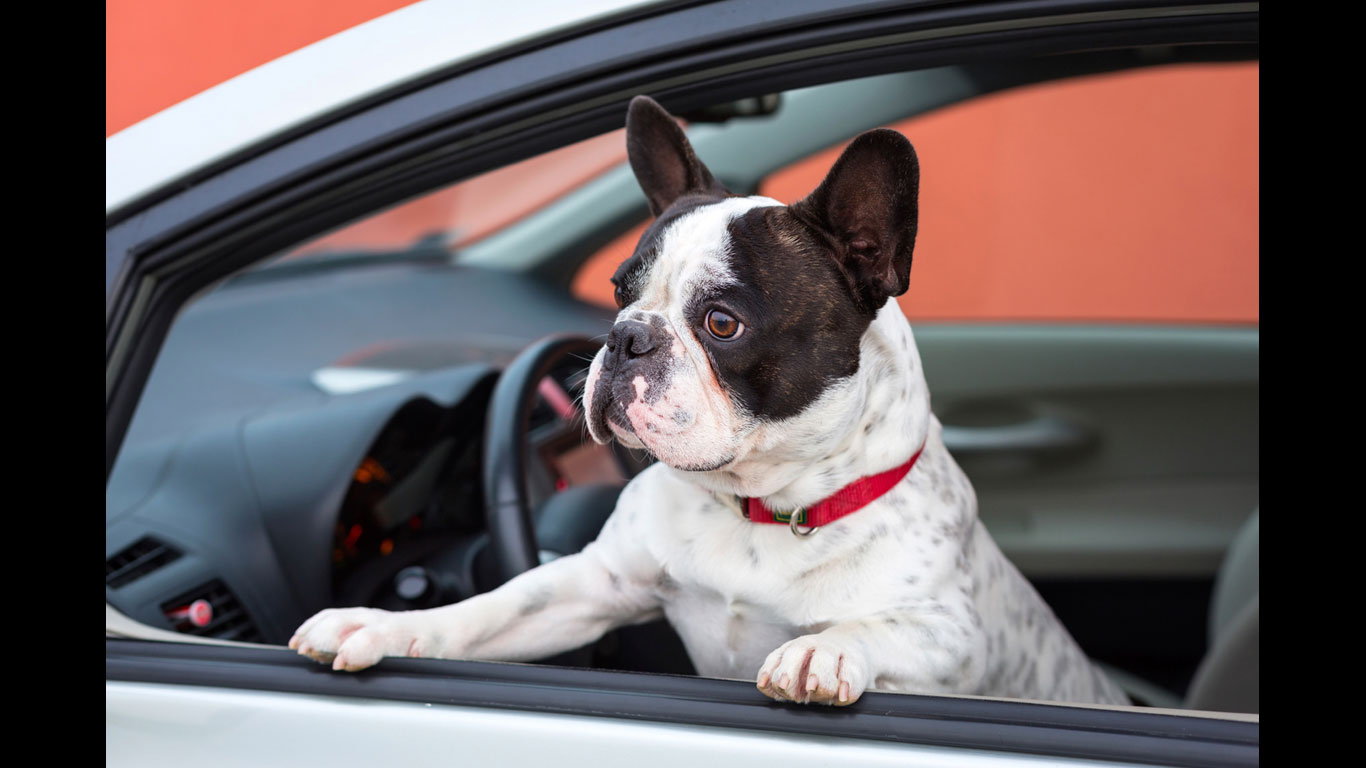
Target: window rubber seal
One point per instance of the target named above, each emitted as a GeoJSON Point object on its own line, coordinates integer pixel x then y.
{"type": "Point", "coordinates": [963, 722]}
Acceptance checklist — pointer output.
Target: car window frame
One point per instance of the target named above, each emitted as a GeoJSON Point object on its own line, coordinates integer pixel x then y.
{"type": "Point", "coordinates": [1160, 737]}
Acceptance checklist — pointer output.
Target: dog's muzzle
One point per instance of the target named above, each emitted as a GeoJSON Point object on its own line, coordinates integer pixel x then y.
{"type": "Point", "coordinates": [631, 352]}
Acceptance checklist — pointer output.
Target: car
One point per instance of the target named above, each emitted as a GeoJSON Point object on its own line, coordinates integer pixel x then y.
{"type": "Point", "coordinates": [320, 391]}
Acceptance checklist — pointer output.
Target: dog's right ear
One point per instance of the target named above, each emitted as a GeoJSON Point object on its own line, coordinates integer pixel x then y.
{"type": "Point", "coordinates": [663, 160]}
{"type": "Point", "coordinates": [868, 209]}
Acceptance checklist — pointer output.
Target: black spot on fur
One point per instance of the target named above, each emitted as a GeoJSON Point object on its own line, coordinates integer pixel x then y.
{"type": "Point", "coordinates": [665, 583]}
{"type": "Point", "coordinates": [794, 303]}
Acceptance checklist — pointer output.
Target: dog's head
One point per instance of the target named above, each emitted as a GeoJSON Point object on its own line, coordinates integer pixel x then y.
{"type": "Point", "coordinates": [740, 311]}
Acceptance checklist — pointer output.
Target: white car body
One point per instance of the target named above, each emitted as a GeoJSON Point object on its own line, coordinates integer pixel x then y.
{"type": "Point", "coordinates": [395, 48]}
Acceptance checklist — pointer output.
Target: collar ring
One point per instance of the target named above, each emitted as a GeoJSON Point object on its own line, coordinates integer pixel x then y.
{"type": "Point", "coordinates": [796, 528]}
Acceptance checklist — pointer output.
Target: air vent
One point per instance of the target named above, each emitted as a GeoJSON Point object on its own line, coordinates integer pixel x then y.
{"type": "Point", "coordinates": [211, 611]}
{"type": "Point", "coordinates": [137, 560]}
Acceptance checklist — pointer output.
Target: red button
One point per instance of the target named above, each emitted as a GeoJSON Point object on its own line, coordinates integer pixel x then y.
{"type": "Point", "coordinates": [201, 613]}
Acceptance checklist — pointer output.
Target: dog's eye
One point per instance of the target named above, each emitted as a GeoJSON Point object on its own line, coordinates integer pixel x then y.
{"type": "Point", "coordinates": [620, 297]}
{"type": "Point", "coordinates": [723, 326]}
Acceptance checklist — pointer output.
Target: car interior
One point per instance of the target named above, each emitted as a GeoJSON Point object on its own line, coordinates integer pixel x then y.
{"type": "Point", "coordinates": [398, 426]}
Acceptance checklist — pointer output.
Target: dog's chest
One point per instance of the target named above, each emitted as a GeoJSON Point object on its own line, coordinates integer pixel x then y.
{"type": "Point", "coordinates": [735, 590]}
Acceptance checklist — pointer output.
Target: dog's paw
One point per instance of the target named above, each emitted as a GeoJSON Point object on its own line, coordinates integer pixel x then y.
{"type": "Point", "coordinates": [352, 639]}
{"type": "Point", "coordinates": [813, 669]}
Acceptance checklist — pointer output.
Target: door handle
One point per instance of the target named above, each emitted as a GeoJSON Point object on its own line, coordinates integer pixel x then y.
{"type": "Point", "coordinates": [1043, 434]}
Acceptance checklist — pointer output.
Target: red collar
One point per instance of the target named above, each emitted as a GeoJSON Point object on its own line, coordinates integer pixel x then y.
{"type": "Point", "coordinates": [846, 501]}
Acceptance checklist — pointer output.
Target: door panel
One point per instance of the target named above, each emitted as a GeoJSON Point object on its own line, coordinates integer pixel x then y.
{"type": "Point", "coordinates": [1160, 467]}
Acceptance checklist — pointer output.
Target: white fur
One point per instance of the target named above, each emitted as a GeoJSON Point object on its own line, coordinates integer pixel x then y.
{"type": "Point", "coordinates": [908, 594]}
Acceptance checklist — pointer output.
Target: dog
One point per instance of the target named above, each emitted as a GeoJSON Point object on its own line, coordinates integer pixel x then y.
{"type": "Point", "coordinates": [804, 526]}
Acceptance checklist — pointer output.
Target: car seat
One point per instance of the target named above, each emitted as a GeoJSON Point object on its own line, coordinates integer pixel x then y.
{"type": "Point", "coordinates": [1228, 679]}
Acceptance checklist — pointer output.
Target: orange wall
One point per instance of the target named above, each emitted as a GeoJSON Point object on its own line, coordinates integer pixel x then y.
{"type": "Point", "coordinates": [160, 52]}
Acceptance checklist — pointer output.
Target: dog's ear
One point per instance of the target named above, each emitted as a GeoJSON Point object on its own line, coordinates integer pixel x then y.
{"type": "Point", "coordinates": [663, 160]}
{"type": "Point", "coordinates": [867, 209]}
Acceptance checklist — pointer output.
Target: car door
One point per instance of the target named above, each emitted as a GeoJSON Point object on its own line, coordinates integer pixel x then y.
{"type": "Point", "coordinates": [164, 247]}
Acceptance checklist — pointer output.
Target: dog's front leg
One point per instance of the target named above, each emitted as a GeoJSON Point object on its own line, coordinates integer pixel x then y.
{"type": "Point", "coordinates": [923, 649]}
{"type": "Point", "coordinates": [557, 607]}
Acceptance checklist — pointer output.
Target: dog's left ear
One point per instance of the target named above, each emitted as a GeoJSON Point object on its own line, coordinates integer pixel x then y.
{"type": "Point", "coordinates": [867, 209]}
{"type": "Point", "coordinates": [662, 158]}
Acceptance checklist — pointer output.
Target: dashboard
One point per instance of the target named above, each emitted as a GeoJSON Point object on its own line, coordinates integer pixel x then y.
{"type": "Point", "coordinates": [312, 440]}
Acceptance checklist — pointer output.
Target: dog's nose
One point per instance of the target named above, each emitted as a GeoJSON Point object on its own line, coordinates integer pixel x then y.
{"type": "Point", "coordinates": [630, 338]}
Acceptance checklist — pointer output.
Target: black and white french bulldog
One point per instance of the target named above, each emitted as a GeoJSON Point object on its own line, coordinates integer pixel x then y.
{"type": "Point", "coordinates": [804, 527]}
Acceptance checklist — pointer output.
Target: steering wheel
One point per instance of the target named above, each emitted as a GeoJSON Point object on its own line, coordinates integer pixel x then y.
{"type": "Point", "coordinates": [512, 535]}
